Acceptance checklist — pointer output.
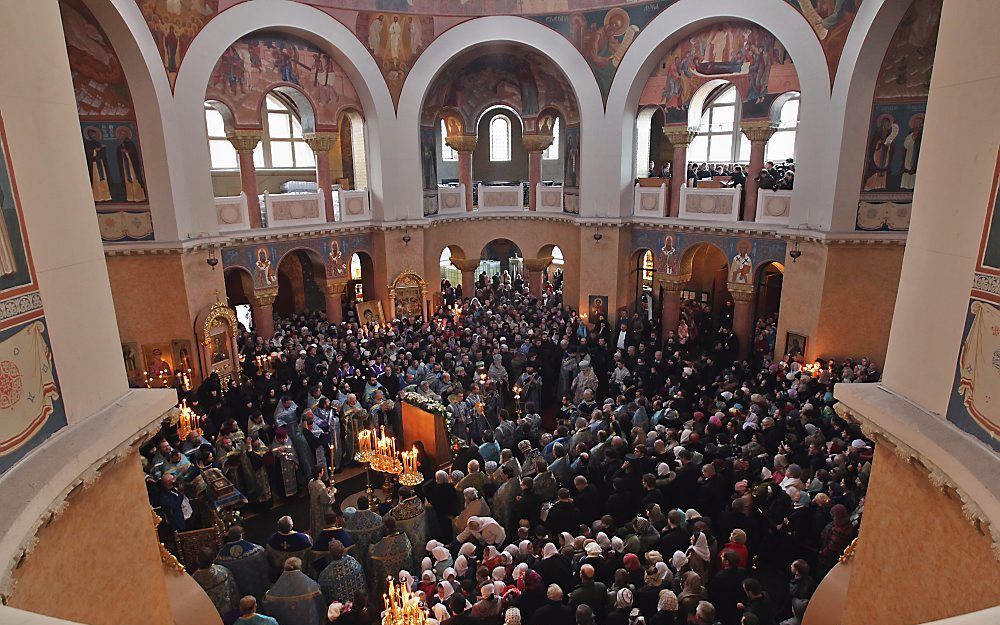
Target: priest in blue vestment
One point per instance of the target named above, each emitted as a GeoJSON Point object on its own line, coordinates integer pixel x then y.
{"type": "Point", "coordinates": [364, 526]}
{"type": "Point", "coordinates": [287, 543]}
{"type": "Point", "coordinates": [343, 576]}
{"type": "Point", "coordinates": [295, 599]}
{"type": "Point", "coordinates": [246, 561]}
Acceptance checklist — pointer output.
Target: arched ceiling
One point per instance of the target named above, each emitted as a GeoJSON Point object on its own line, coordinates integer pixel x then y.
{"type": "Point", "coordinates": [397, 31]}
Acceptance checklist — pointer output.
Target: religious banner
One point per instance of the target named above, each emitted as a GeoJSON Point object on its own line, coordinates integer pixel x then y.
{"type": "Point", "coordinates": [27, 385]}
{"type": "Point", "coordinates": [977, 375]}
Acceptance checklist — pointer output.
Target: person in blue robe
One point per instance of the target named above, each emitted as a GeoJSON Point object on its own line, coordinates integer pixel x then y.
{"type": "Point", "coordinates": [246, 561]}
{"type": "Point", "coordinates": [287, 543]}
{"type": "Point", "coordinates": [295, 599]}
{"type": "Point", "coordinates": [343, 576]}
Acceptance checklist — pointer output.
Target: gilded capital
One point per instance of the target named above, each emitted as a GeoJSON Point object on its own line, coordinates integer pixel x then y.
{"type": "Point", "coordinates": [679, 135]}
{"type": "Point", "coordinates": [740, 292]}
{"type": "Point", "coordinates": [465, 264]}
{"type": "Point", "coordinates": [461, 143]}
{"type": "Point", "coordinates": [244, 140]}
{"type": "Point", "coordinates": [536, 142]}
{"type": "Point", "coordinates": [334, 287]}
{"type": "Point", "coordinates": [760, 130]}
{"type": "Point", "coordinates": [536, 265]}
{"type": "Point", "coordinates": [320, 141]}
{"type": "Point", "coordinates": [672, 282]}
{"type": "Point", "coordinates": [263, 297]}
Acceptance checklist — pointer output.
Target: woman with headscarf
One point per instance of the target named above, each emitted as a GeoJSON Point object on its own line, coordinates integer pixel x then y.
{"type": "Point", "coordinates": [532, 594]}
{"type": "Point", "coordinates": [619, 614]}
{"type": "Point", "coordinates": [554, 568]}
{"type": "Point", "coordinates": [666, 609]}
{"type": "Point", "coordinates": [647, 596]}
{"type": "Point", "coordinates": [699, 555]}
{"type": "Point", "coordinates": [836, 537]}
{"type": "Point", "coordinates": [633, 567]}
{"type": "Point", "coordinates": [738, 545]}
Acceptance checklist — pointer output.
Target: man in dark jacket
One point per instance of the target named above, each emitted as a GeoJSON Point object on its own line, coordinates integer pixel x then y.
{"type": "Point", "coordinates": [554, 611]}
{"type": "Point", "coordinates": [527, 505]}
{"type": "Point", "coordinates": [725, 590]}
{"type": "Point", "coordinates": [563, 516]}
{"type": "Point", "coordinates": [590, 592]}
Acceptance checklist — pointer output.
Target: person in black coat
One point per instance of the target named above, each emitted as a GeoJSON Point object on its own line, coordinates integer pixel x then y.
{"type": "Point", "coordinates": [554, 611]}
{"type": "Point", "coordinates": [758, 602]}
{"type": "Point", "coordinates": [587, 500]}
{"type": "Point", "coordinates": [725, 590]}
{"type": "Point", "coordinates": [527, 505]}
{"type": "Point", "coordinates": [443, 498]}
{"type": "Point", "coordinates": [563, 515]}
{"type": "Point", "coordinates": [555, 569]}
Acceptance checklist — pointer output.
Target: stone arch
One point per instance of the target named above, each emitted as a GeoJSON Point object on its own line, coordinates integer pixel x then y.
{"type": "Point", "coordinates": [303, 104]}
{"type": "Point", "coordinates": [689, 253]}
{"type": "Point", "coordinates": [239, 285]}
{"type": "Point", "coordinates": [295, 19]}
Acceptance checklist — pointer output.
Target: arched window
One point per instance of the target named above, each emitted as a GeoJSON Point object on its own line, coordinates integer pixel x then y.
{"type": "Point", "coordinates": [551, 153]}
{"type": "Point", "coordinates": [355, 267]}
{"type": "Point", "coordinates": [500, 138]}
{"type": "Point", "coordinates": [558, 260]}
{"type": "Point", "coordinates": [448, 153]}
{"type": "Point", "coordinates": [782, 143]}
{"type": "Point", "coordinates": [282, 146]}
{"type": "Point", "coordinates": [221, 151]}
{"type": "Point", "coordinates": [449, 272]}
{"type": "Point", "coordinates": [716, 138]}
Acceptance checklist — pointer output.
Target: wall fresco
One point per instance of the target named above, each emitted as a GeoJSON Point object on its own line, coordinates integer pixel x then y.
{"type": "Point", "coordinates": [261, 260]}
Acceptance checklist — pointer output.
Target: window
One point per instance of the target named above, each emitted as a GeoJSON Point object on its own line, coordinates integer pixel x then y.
{"type": "Point", "coordinates": [782, 142]}
{"type": "Point", "coordinates": [449, 272]}
{"type": "Point", "coordinates": [355, 267]}
{"type": "Point", "coordinates": [282, 146]}
{"type": "Point", "coordinates": [557, 257]}
{"type": "Point", "coordinates": [716, 138]}
{"type": "Point", "coordinates": [500, 138]}
{"type": "Point", "coordinates": [447, 152]}
{"type": "Point", "coordinates": [551, 153]}
{"type": "Point", "coordinates": [221, 151]}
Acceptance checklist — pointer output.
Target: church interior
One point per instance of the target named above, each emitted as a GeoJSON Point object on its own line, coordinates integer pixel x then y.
{"type": "Point", "coordinates": [499, 312]}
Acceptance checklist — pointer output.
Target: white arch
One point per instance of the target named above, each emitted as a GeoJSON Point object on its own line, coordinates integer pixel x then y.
{"type": "Point", "coordinates": [506, 29]}
{"type": "Point", "coordinates": [147, 81]}
{"type": "Point", "coordinates": [853, 91]}
{"type": "Point", "coordinates": [687, 16]}
{"type": "Point", "coordinates": [303, 21]}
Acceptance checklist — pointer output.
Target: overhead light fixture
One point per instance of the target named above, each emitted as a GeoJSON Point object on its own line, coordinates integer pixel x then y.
{"type": "Point", "coordinates": [795, 252]}
{"type": "Point", "coordinates": [406, 237]}
{"type": "Point", "coordinates": [212, 260]}
{"type": "Point", "coordinates": [597, 233]}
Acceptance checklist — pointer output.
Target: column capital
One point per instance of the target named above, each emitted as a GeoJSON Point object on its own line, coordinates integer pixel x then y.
{"type": "Point", "coordinates": [760, 130]}
{"type": "Point", "coordinates": [537, 265]}
{"type": "Point", "coordinates": [466, 264]}
{"type": "Point", "coordinates": [462, 143]}
{"type": "Point", "coordinates": [679, 135]}
{"type": "Point", "coordinates": [244, 140]}
{"type": "Point", "coordinates": [333, 286]}
{"type": "Point", "coordinates": [536, 142]}
{"type": "Point", "coordinates": [740, 292]}
{"type": "Point", "coordinates": [320, 141]}
{"type": "Point", "coordinates": [263, 297]}
{"type": "Point", "coordinates": [672, 282]}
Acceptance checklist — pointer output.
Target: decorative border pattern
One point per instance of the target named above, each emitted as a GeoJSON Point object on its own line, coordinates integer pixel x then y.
{"type": "Point", "coordinates": [20, 305]}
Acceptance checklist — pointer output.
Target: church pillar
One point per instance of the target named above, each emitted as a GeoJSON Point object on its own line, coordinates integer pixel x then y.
{"type": "Point", "coordinates": [321, 143]}
{"type": "Point", "coordinates": [534, 269]}
{"type": "Point", "coordinates": [758, 132]}
{"type": "Point", "coordinates": [535, 144]}
{"type": "Point", "coordinates": [245, 141]}
{"type": "Point", "coordinates": [262, 309]}
{"type": "Point", "coordinates": [334, 290]}
{"type": "Point", "coordinates": [679, 138]}
{"type": "Point", "coordinates": [464, 145]}
{"type": "Point", "coordinates": [671, 286]}
{"type": "Point", "coordinates": [468, 268]}
{"type": "Point", "coordinates": [742, 315]}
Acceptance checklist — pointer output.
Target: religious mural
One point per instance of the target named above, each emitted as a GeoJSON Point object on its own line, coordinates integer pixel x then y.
{"type": "Point", "coordinates": [261, 260]}
{"type": "Point", "coordinates": [745, 253]}
{"type": "Point", "coordinates": [897, 121]}
{"type": "Point", "coordinates": [31, 408]}
{"type": "Point", "coordinates": [260, 62]}
{"type": "Point", "coordinates": [108, 127]}
{"type": "Point", "coordinates": [428, 164]}
{"type": "Point", "coordinates": [395, 42]}
{"type": "Point", "coordinates": [744, 54]}
{"type": "Point", "coordinates": [977, 384]}
{"type": "Point", "coordinates": [174, 24]}
{"type": "Point", "coordinates": [571, 171]}
{"type": "Point", "coordinates": [831, 20]}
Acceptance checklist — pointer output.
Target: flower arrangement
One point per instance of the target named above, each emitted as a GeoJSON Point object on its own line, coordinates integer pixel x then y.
{"type": "Point", "coordinates": [435, 408]}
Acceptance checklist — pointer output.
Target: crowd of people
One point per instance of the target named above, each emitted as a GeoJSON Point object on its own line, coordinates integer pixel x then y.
{"type": "Point", "coordinates": [635, 476]}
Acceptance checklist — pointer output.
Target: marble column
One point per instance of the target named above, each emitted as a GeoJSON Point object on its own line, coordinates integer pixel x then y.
{"type": "Point", "coordinates": [465, 145]}
{"type": "Point", "coordinates": [680, 137]}
{"type": "Point", "coordinates": [468, 268]}
{"type": "Point", "coordinates": [671, 286]}
{"type": "Point", "coordinates": [535, 144]}
{"type": "Point", "coordinates": [758, 132]}
{"type": "Point", "coordinates": [245, 141]}
{"type": "Point", "coordinates": [334, 290]}
{"type": "Point", "coordinates": [262, 309]}
{"type": "Point", "coordinates": [742, 315]}
{"type": "Point", "coordinates": [321, 143]}
{"type": "Point", "coordinates": [534, 268]}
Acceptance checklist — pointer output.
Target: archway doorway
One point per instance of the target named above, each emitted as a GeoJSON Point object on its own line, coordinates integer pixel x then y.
{"type": "Point", "coordinates": [706, 301]}
{"type": "Point", "coordinates": [239, 286]}
{"type": "Point", "coordinates": [769, 279]}
{"type": "Point", "coordinates": [500, 260]}
{"type": "Point", "coordinates": [645, 264]}
{"type": "Point", "coordinates": [297, 288]}
{"type": "Point", "coordinates": [361, 287]}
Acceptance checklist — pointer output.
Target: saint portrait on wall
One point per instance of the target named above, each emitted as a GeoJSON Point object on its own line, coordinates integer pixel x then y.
{"type": "Point", "coordinates": [97, 164]}
{"type": "Point", "coordinates": [911, 152]}
{"type": "Point", "coordinates": [741, 269]}
{"type": "Point", "coordinates": [336, 265]}
{"type": "Point", "coordinates": [130, 166]}
{"type": "Point", "coordinates": [264, 274]}
{"type": "Point", "coordinates": [880, 153]}
{"type": "Point", "coordinates": [668, 256]}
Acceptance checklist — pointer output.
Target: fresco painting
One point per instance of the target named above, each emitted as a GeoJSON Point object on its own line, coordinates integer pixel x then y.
{"type": "Point", "coordinates": [741, 53]}
{"type": "Point", "coordinates": [897, 121]}
{"type": "Point", "coordinates": [257, 63]}
{"type": "Point", "coordinates": [395, 41]}
{"type": "Point", "coordinates": [261, 260]}
{"type": "Point", "coordinates": [107, 123]}
{"type": "Point", "coordinates": [831, 20]}
{"type": "Point", "coordinates": [174, 24]}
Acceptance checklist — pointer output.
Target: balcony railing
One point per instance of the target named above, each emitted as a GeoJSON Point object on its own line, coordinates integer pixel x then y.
{"type": "Point", "coordinates": [708, 204]}
{"type": "Point", "coordinates": [282, 210]}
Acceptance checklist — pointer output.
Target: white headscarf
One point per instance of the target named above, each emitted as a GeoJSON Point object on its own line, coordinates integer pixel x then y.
{"type": "Point", "coordinates": [406, 579]}
{"type": "Point", "coordinates": [548, 551]}
{"type": "Point", "coordinates": [462, 565]}
{"type": "Point", "coordinates": [440, 554]}
{"type": "Point", "coordinates": [467, 549]}
{"type": "Point", "coordinates": [678, 560]}
{"type": "Point", "coordinates": [700, 548]}
{"type": "Point", "coordinates": [440, 612]}
{"type": "Point", "coordinates": [520, 571]}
